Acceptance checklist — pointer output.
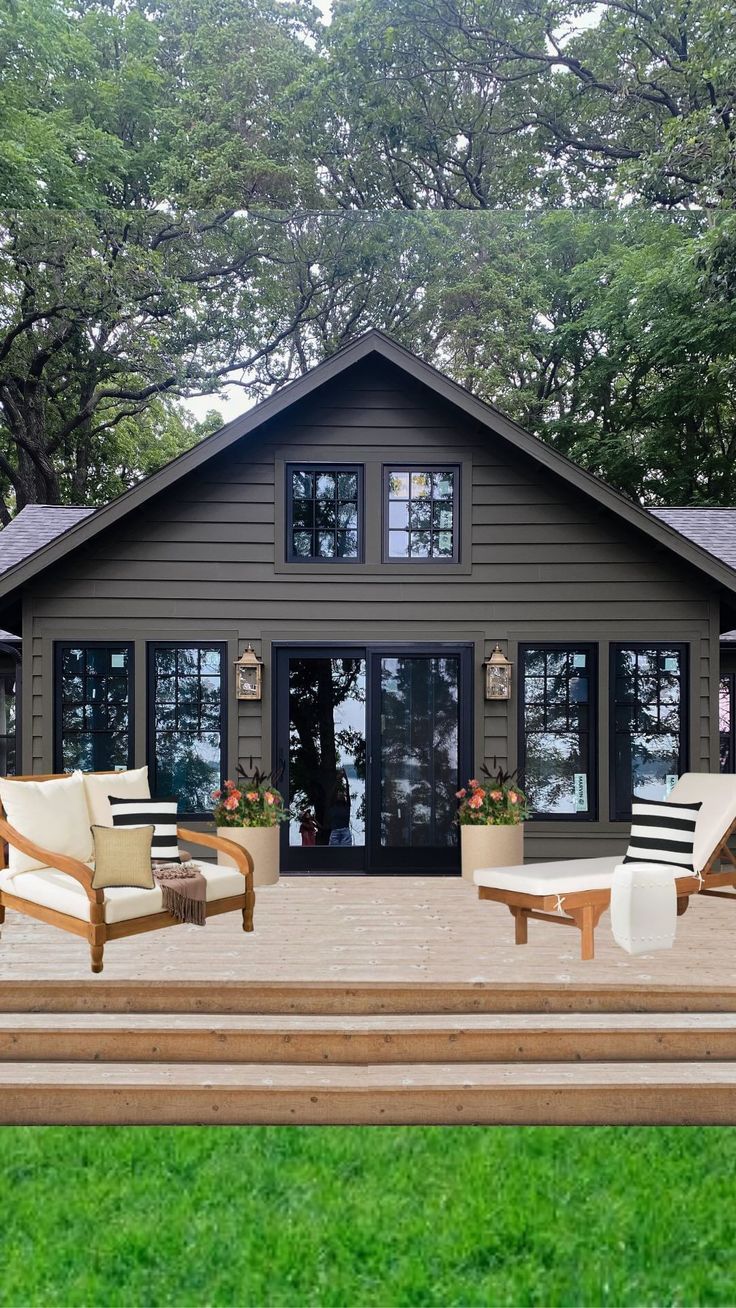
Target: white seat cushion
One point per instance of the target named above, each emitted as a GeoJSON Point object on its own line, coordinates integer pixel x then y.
{"type": "Point", "coordinates": [53, 814]}
{"type": "Point", "coordinates": [716, 791]}
{"type": "Point", "coordinates": [565, 876]}
{"type": "Point", "coordinates": [54, 889]}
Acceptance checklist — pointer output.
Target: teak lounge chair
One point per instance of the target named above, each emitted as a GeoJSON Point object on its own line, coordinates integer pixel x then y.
{"type": "Point", "coordinates": [60, 892]}
{"type": "Point", "coordinates": [577, 891]}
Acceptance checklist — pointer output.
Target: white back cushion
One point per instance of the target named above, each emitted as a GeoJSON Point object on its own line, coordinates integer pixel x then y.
{"type": "Point", "coordinates": [52, 813]}
{"type": "Point", "coordinates": [717, 793]}
{"type": "Point", "coordinates": [123, 785]}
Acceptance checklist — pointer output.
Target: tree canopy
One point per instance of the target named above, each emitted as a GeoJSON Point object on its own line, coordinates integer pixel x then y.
{"type": "Point", "coordinates": [536, 196]}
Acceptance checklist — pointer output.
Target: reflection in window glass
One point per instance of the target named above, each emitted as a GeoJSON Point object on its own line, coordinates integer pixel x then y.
{"type": "Point", "coordinates": [327, 754]}
{"type": "Point", "coordinates": [323, 513]}
{"type": "Point", "coordinates": [558, 694]}
{"type": "Point", "coordinates": [8, 755]}
{"type": "Point", "coordinates": [726, 722]}
{"type": "Point", "coordinates": [419, 742]}
{"type": "Point", "coordinates": [648, 712]}
{"type": "Point", "coordinates": [93, 703]}
{"type": "Point", "coordinates": [421, 513]}
{"type": "Point", "coordinates": [187, 728]}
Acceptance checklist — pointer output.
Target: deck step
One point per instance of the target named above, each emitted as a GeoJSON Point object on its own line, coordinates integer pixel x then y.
{"type": "Point", "coordinates": [701, 1093]}
{"type": "Point", "coordinates": [95, 995]}
{"type": "Point", "coordinates": [365, 1040]}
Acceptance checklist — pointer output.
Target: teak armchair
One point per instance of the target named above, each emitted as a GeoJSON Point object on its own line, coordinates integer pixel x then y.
{"type": "Point", "coordinates": [578, 891]}
{"type": "Point", "coordinates": [92, 922]}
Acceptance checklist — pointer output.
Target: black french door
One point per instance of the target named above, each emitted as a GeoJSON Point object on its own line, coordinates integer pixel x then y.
{"type": "Point", "coordinates": [374, 742]}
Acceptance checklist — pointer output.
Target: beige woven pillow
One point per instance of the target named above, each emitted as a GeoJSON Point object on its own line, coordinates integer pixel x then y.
{"type": "Point", "coordinates": [123, 858]}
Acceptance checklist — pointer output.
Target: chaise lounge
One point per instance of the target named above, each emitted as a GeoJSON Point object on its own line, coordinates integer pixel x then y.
{"type": "Point", "coordinates": [55, 886]}
{"type": "Point", "coordinates": [576, 892]}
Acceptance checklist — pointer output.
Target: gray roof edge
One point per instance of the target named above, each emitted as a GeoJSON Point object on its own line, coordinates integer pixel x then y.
{"type": "Point", "coordinates": [374, 341]}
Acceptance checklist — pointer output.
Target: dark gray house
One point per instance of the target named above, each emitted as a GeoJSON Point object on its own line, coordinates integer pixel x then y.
{"type": "Point", "coordinates": [374, 531]}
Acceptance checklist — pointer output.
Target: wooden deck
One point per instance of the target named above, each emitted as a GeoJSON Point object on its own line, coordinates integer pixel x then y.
{"type": "Point", "coordinates": [378, 929]}
{"type": "Point", "coordinates": [369, 1001]}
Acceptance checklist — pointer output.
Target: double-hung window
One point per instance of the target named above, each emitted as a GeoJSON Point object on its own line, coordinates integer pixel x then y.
{"type": "Point", "coordinates": [187, 717]}
{"type": "Point", "coordinates": [421, 513]}
{"type": "Point", "coordinates": [94, 691]}
{"type": "Point", "coordinates": [648, 722]}
{"type": "Point", "coordinates": [323, 513]}
{"type": "Point", "coordinates": [558, 729]}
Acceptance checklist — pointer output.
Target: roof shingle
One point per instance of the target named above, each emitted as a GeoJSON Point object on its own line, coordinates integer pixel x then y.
{"type": "Point", "coordinates": [35, 526]}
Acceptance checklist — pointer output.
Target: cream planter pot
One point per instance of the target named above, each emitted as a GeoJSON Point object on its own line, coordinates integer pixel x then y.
{"type": "Point", "coordinates": [262, 844]}
{"type": "Point", "coordinates": [490, 846]}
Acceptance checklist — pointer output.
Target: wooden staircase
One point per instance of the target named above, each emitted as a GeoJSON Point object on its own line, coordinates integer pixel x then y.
{"type": "Point", "coordinates": [179, 1052]}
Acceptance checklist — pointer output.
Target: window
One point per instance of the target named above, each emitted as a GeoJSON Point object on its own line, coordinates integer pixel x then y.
{"type": "Point", "coordinates": [727, 721]}
{"type": "Point", "coordinates": [9, 673]}
{"type": "Point", "coordinates": [558, 729]}
{"type": "Point", "coordinates": [93, 706]}
{"type": "Point", "coordinates": [421, 513]}
{"type": "Point", "coordinates": [648, 718]}
{"type": "Point", "coordinates": [324, 513]}
{"type": "Point", "coordinates": [186, 700]}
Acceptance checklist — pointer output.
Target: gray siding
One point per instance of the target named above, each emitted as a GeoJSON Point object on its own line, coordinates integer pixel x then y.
{"type": "Point", "coordinates": [538, 561]}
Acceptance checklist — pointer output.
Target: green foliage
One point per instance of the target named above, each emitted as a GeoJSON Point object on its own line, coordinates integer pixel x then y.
{"type": "Point", "coordinates": [375, 1216]}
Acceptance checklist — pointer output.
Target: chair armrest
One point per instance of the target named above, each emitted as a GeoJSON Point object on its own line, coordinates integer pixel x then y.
{"type": "Point", "coordinates": [65, 863]}
{"type": "Point", "coordinates": [237, 853]}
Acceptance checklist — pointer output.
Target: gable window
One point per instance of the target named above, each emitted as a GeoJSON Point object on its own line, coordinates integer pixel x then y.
{"type": "Point", "coordinates": [93, 686]}
{"type": "Point", "coordinates": [648, 717]}
{"type": "Point", "coordinates": [324, 510]}
{"type": "Point", "coordinates": [420, 513]}
{"type": "Point", "coordinates": [186, 705]}
{"type": "Point", "coordinates": [558, 729]}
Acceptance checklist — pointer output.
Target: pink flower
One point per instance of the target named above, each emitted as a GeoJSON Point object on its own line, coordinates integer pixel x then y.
{"type": "Point", "coordinates": [229, 785]}
{"type": "Point", "coordinates": [473, 784]}
{"type": "Point", "coordinates": [460, 794]}
{"type": "Point", "coordinates": [269, 798]}
{"type": "Point", "coordinates": [230, 803]}
{"type": "Point", "coordinates": [252, 795]}
{"type": "Point", "coordinates": [496, 794]}
{"type": "Point", "coordinates": [236, 794]}
{"type": "Point", "coordinates": [216, 794]}
{"type": "Point", "coordinates": [475, 801]}
{"type": "Point", "coordinates": [513, 797]}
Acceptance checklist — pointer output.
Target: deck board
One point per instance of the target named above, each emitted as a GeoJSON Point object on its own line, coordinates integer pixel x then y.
{"type": "Point", "coordinates": [377, 929]}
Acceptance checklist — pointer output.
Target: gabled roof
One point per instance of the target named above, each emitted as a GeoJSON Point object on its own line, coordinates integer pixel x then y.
{"type": "Point", "coordinates": [372, 343]}
{"type": "Point", "coordinates": [712, 529]}
{"type": "Point", "coordinates": [35, 526]}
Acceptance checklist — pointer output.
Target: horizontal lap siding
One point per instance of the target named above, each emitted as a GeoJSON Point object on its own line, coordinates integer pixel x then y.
{"type": "Point", "coordinates": [206, 559]}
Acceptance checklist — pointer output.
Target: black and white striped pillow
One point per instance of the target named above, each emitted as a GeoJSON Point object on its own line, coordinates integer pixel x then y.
{"type": "Point", "coordinates": [160, 813]}
{"type": "Point", "coordinates": [662, 832]}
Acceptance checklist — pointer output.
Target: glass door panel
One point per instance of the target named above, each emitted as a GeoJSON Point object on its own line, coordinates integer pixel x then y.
{"type": "Point", "coordinates": [415, 750]}
{"type": "Point", "coordinates": [326, 762]}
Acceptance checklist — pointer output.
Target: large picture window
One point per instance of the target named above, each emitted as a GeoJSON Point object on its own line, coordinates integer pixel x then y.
{"type": "Point", "coordinates": [558, 729]}
{"type": "Point", "coordinates": [648, 722]}
{"type": "Point", "coordinates": [324, 509]}
{"type": "Point", "coordinates": [186, 705]}
{"type": "Point", "coordinates": [420, 513]}
{"type": "Point", "coordinates": [93, 683]}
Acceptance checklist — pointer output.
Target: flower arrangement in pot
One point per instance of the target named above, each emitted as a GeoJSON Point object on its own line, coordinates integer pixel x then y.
{"type": "Point", "coordinates": [491, 816]}
{"type": "Point", "coordinates": [249, 812]}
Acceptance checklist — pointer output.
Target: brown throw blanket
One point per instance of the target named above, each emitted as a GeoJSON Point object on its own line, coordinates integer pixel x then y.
{"type": "Point", "coordinates": [184, 891]}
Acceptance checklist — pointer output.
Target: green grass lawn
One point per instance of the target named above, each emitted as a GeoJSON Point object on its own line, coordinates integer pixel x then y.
{"type": "Point", "coordinates": [368, 1215]}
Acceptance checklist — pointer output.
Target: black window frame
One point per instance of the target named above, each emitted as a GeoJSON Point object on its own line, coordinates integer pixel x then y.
{"type": "Point", "coordinates": [619, 814]}
{"type": "Point", "coordinates": [337, 469]}
{"type": "Point", "coordinates": [730, 679]}
{"type": "Point", "coordinates": [589, 648]}
{"type": "Point", "coordinates": [429, 560]}
{"type": "Point", "coordinates": [151, 647]}
{"type": "Point", "coordinates": [59, 647]}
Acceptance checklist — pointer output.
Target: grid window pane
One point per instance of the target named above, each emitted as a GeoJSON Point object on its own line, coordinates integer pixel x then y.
{"type": "Point", "coordinates": [187, 720]}
{"type": "Point", "coordinates": [558, 746]}
{"type": "Point", "coordinates": [8, 762]}
{"type": "Point", "coordinates": [323, 513]}
{"type": "Point", "coordinates": [648, 714]}
{"type": "Point", "coordinates": [422, 513]}
{"type": "Point", "coordinates": [93, 699]}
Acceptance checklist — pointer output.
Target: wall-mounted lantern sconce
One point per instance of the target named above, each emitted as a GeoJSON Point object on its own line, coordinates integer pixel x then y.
{"type": "Point", "coordinates": [498, 675]}
{"type": "Point", "coordinates": [248, 675]}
